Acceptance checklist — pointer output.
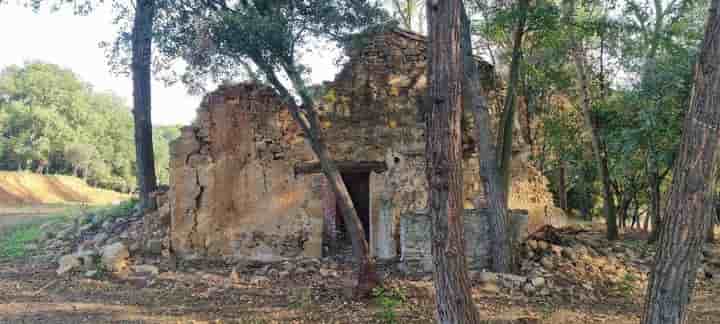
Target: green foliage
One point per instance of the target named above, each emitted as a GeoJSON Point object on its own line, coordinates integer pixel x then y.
{"type": "Point", "coordinates": [388, 300]}
{"type": "Point", "coordinates": [229, 40]}
{"type": "Point", "coordinates": [640, 83]}
{"type": "Point", "coordinates": [53, 122]}
{"type": "Point", "coordinates": [122, 210]}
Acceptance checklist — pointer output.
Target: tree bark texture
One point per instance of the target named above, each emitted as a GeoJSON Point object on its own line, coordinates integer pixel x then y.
{"type": "Point", "coordinates": [141, 63]}
{"type": "Point", "coordinates": [688, 211]}
{"type": "Point", "coordinates": [444, 164]}
{"type": "Point", "coordinates": [578, 56]}
{"type": "Point", "coordinates": [505, 135]}
{"type": "Point", "coordinates": [501, 252]}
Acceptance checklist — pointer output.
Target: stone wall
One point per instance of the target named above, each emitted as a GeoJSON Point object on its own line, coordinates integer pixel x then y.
{"type": "Point", "coordinates": [374, 110]}
{"type": "Point", "coordinates": [415, 239]}
{"type": "Point", "coordinates": [233, 190]}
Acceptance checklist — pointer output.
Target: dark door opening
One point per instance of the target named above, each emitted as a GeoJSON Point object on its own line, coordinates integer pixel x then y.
{"type": "Point", "coordinates": [356, 175]}
{"type": "Point", "coordinates": [358, 185]}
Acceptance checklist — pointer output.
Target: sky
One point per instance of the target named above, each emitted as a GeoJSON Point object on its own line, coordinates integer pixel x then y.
{"type": "Point", "coordinates": [72, 42]}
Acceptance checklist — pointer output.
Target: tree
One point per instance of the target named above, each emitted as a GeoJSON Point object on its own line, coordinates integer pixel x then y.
{"type": "Point", "coordinates": [443, 151]}
{"type": "Point", "coordinates": [269, 35]}
{"type": "Point", "coordinates": [142, 34]}
{"type": "Point", "coordinates": [688, 211]}
{"type": "Point", "coordinates": [410, 13]}
{"type": "Point", "coordinates": [80, 156]}
{"type": "Point", "coordinates": [54, 122]}
{"type": "Point", "coordinates": [490, 178]}
{"type": "Point", "coordinates": [140, 66]}
{"type": "Point", "coordinates": [577, 53]}
{"type": "Point", "coordinates": [505, 132]}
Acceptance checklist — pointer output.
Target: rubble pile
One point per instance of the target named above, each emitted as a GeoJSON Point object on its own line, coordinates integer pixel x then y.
{"type": "Point", "coordinates": [123, 245]}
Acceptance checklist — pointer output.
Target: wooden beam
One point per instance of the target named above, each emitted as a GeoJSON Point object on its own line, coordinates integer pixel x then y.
{"type": "Point", "coordinates": [343, 166]}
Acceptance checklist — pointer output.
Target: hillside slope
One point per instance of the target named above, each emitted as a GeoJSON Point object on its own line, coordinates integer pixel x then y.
{"type": "Point", "coordinates": [17, 188]}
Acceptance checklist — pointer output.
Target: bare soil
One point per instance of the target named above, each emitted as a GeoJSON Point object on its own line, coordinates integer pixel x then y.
{"type": "Point", "coordinates": [203, 292]}
{"type": "Point", "coordinates": [33, 293]}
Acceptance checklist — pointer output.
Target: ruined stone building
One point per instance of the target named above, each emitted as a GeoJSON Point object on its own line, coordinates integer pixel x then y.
{"type": "Point", "coordinates": [245, 185]}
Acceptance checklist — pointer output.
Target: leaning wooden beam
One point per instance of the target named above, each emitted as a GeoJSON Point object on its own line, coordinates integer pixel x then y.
{"type": "Point", "coordinates": [343, 166]}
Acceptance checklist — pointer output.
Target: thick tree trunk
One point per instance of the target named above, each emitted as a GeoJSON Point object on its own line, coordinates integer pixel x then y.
{"type": "Point", "coordinates": [141, 61]}
{"type": "Point", "coordinates": [306, 117]}
{"type": "Point", "coordinates": [578, 56]}
{"type": "Point", "coordinates": [711, 228]}
{"type": "Point", "coordinates": [689, 206]}
{"type": "Point", "coordinates": [501, 253]}
{"type": "Point", "coordinates": [444, 164]}
{"type": "Point", "coordinates": [505, 136]}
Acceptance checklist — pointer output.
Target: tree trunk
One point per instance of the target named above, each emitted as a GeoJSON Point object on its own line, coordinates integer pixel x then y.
{"type": "Point", "coordinates": [711, 228]}
{"type": "Point", "coordinates": [141, 61]}
{"type": "Point", "coordinates": [627, 198]}
{"type": "Point", "coordinates": [306, 117]}
{"type": "Point", "coordinates": [689, 206]}
{"type": "Point", "coordinates": [578, 55]}
{"type": "Point", "coordinates": [367, 278]}
{"type": "Point", "coordinates": [41, 167]}
{"type": "Point", "coordinates": [636, 214]}
{"type": "Point", "coordinates": [505, 136]}
{"type": "Point", "coordinates": [443, 151]}
{"type": "Point", "coordinates": [654, 184]}
{"type": "Point", "coordinates": [562, 187]}
{"type": "Point", "coordinates": [501, 253]}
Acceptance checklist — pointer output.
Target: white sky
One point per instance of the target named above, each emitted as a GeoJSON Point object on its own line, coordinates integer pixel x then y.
{"type": "Point", "coordinates": [72, 42]}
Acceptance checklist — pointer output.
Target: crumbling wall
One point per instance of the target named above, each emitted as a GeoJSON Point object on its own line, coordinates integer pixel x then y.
{"type": "Point", "coordinates": [233, 189]}
{"type": "Point", "coordinates": [415, 239]}
{"type": "Point", "coordinates": [375, 109]}
{"type": "Point", "coordinates": [235, 192]}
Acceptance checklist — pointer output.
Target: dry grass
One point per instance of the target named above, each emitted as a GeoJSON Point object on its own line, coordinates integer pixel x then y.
{"type": "Point", "coordinates": [20, 188]}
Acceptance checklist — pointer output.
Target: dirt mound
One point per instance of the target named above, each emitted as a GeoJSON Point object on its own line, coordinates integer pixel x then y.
{"type": "Point", "coordinates": [18, 188]}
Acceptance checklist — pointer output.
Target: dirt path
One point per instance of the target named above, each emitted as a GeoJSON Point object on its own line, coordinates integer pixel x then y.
{"type": "Point", "coordinates": [33, 293]}
{"type": "Point", "coordinates": [208, 292]}
{"type": "Point", "coordinates": [16, 215]}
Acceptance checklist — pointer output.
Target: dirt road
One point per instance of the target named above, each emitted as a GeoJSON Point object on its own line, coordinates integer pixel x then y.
{"type": "Point", "coordinates": [16, 215]}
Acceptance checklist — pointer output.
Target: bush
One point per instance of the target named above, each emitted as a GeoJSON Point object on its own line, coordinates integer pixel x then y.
{"type": "Point", "coordinates": [124, 209]}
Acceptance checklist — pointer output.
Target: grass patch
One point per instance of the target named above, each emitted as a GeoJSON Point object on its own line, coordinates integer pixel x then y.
{"type": "Point", "coordinates": [389, 300]}
{"type": "Point", "coordinates": [626, 287]}
{"type": "Point", "coordinates": [14, 243]}
{"type": "Point", "coordinates": [14, 239]}
{"type": "Point", "coordinates": [121, 210]}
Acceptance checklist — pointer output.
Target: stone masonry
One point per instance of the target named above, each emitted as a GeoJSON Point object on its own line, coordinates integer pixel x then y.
{"type": "Point", "coordinates": [242, 178]}
{"type": "Point", "coordinates": [415, 239]}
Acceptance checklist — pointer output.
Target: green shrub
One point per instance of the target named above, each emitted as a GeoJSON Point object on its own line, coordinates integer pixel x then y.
{"type": "Point", "coordinates": [122, 210]}
{"type": "Point", "coordinates": [388, 300]}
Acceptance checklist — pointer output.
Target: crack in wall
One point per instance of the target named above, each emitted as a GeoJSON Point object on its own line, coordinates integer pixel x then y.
{"type": "Point", "coordinates": [198, 202]}
{"type": "Point", "coordinates": [193, 211]}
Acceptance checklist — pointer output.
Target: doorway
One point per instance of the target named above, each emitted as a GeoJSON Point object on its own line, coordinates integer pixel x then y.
{"type": "Point", "coordinates": [356, 175]}
{"type": "Point", "coordinates": [358, 185]}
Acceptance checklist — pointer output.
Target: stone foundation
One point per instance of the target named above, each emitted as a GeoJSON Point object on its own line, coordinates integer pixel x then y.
{"type": "Point", "coordinates": [415, 239]}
